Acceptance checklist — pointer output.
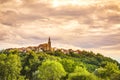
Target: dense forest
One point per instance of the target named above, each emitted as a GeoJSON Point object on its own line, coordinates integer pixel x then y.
{"type": "Point", "coordinates": [15, 65]}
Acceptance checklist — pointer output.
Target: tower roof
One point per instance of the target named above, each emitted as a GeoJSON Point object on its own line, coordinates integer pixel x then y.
{"type": "Point", "coordinates": [49, 40]}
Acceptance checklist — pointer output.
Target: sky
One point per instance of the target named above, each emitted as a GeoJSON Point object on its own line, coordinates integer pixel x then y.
{"type": "Point", "coordinates": [92, 25]}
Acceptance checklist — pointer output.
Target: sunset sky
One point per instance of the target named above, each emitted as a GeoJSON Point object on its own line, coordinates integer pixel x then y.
{"type": "Point", "coordinates": [92, 25]}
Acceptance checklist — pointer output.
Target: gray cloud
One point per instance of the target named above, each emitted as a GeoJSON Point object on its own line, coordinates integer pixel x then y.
{"type": "Point", "coordinates": [3, 1]}
{"type": "Point", "coordinates": [30, 22]}
{"type": "Point", "coordinates": [2, 36]}
{"type": "Point", "coordinates": [113, 47]}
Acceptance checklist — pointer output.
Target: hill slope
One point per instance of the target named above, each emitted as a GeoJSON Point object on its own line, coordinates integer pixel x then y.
{"type": "Point", "coordinates": [57, 66]}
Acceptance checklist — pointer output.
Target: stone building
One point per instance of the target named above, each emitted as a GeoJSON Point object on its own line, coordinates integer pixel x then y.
{"type": "Point", "coordinates": [46, 46]}
{"type": "Point", "coordinates": [39, 48]}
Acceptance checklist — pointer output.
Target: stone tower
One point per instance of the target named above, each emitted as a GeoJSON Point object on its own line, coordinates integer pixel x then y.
{"type": "Point", "coordinates": [49, 44]}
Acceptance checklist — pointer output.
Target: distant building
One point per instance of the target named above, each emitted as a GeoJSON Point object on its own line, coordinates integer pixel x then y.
{"type": "Point", "coordinates": [46, 46]}
{"type": "Point", "coordinates": [41, 47]}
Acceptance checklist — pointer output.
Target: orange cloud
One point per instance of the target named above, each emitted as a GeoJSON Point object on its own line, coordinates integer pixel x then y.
{"type": "Point", "coordinates": [90, 25]}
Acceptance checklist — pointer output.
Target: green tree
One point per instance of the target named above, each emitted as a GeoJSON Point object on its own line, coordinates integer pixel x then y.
{"type": "Point", "coordinates": [81, 74]}
{"type": "Point", "coordinates": [10, 67]}
{"type": "Point", "coordinates": [49, 70]}
{"type": "Point", "coordinates": [30, 64]}
{"type": "Point", "coordinates": [109, 71]}
{"type": "Point", "coordinates": [68, 65]}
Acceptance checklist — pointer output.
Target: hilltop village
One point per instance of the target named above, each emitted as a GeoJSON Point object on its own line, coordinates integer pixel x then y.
{"type": "Point", "coordinates": [45, 47]}
{"type": "Point", "coordinates": [43, 62]}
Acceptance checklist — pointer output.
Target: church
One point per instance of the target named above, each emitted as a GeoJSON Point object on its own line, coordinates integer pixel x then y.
{"type": "Point", "coordinates": [41, 47]}
{"type": "Point", "coordinates": [45, 46]}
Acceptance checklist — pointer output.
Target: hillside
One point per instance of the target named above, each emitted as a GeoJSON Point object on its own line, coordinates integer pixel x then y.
{"type": "Point", "coordinates": [56, 65]}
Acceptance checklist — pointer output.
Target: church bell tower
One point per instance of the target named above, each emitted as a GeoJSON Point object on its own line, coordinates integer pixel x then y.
{"type": "Point", "coordinates": [49, 44]}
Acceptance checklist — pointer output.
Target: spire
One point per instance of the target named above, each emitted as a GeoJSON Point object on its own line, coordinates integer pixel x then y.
{"type": "Point", "coordinates": [49, 40]}
{"type": "Point", "coordinates": [49, 44]}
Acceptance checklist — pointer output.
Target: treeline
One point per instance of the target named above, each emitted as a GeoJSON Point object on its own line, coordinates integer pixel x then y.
{"type": "Point", "coordinates": [48, 65]}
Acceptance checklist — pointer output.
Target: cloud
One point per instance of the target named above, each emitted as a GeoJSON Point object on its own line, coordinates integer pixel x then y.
{"type": "Point", "coordinates": [3, 35]}
{"type": "Point", "coordinates": [90, 24]}
{"type": "Point", "coordinates": [4, 1]}
{"type": "Point", "coordinates": [9, 18]}
{"type": "Point", "coordinates": [112, 47]}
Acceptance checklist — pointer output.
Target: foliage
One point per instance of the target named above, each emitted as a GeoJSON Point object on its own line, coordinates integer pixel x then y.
{"type": "Point", "coordinates": [109, 71]}
{"type": "Point", "coordinates": [81, 74]}
{"type": "Point", "coordinates": [31, 65]}
{"type": "Point", "coordinates": [68, 64]}
{"type": "Point", "coordinates": [10, 67]}
{"type": "Point", "coordinates": [49, 70]}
